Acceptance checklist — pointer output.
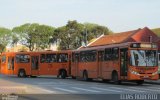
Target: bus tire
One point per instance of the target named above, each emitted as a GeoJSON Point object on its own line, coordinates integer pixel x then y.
{"type": "Point", "coordinates": [21, 73]}
{"type": "Point", "coordinates": [115, 78]}
{"type": "Point", "coordinates": [63, 74]}
{"type": "Point", "coordinates": [140, 82]}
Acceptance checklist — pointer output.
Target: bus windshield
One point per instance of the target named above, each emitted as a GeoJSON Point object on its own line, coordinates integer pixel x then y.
{"type": "Point", "coordinates": [143, 58]}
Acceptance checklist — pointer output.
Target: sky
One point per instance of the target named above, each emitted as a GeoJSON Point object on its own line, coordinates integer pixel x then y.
{"type": "Point", "coordinates": [117, 15]}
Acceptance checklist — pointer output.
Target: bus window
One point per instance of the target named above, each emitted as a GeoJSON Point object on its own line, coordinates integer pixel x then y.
{"type": "Point", "coordinates": [76, 57]}
{"type": "Point", "coordinates": [108, 54]}
{"type": "Point", "coordinates": [22, 58]}
{"type": "Point", "coordinates": [88, 56]}
{"type": "Point", "coordinates": [92, 56]}
{"type": "Point", "coordinates": [82, 56]}
{"type": "Point", "coordinates": [43, 58]}
{"type": "Point", "coordinates": [101, 55]}
{"type": "Point", "coordinates": [62, 57]}
{"type": "Point", "coordinates": [143, 58]}
{"type": "Point", "coordinates": [3, 59]}
{"type": "Point", "coordinates": [51, 58]}
{"type": "Point", "coordinates": [115, 53]}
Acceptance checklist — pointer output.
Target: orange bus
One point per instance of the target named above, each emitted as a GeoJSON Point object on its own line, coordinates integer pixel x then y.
{"type": "Point", "coordinates": [116, 62]}
{"type": "Point", "coordinates": [25, 64]}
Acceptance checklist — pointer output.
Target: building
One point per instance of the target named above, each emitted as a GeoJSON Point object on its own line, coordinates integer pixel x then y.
{"type": "Point", "coordinates": [17, 48]}
{"type": "Point", "coordinates": [139, 35]}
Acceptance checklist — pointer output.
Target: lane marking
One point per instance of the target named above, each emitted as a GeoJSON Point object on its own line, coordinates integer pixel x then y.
{"type": "Point", "coordinates": [127, 89]}
{"type": "Point", "coordinates": [56, 83]}
{"type": "Point", "coordinates": [85, 89]}
{"type": "Point", "coordinates": [105, 89]}
{"type": "Point", "coordinates": [46, 83]}
{"type": "Point", "coordinates": [67, 90]}
{"type": "Point", "coordinates": [154, 88]}
{"type": "Point", "coordinates": [45, 90]}
{"type": "Point", "coordinates": [145, 89]}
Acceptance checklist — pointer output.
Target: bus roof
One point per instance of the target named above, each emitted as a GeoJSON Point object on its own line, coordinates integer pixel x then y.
{"type": "Point", "coordinates": [111, 46]}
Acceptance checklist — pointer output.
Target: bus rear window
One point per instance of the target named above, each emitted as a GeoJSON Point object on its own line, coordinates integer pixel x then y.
{"type": "Point", "coordinates": [22, 58]}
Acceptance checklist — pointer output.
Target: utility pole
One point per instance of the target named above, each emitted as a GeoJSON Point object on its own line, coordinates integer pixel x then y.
{"type": "Point", "coordinates": [85, 33]}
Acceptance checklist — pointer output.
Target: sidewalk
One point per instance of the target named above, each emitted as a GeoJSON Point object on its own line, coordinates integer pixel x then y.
{"type": "Point", "coordinates": [12, 89]}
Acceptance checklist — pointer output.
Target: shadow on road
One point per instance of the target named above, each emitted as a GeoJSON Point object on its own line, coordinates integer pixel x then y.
{"type": "Point", "coordinates": [28, 80]}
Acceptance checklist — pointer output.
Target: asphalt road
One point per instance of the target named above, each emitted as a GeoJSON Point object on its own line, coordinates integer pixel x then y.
{"type": "Point", "coordinates": [67, 87]}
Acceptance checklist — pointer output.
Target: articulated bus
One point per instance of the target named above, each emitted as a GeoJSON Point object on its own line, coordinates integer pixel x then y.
{"type": "Point", "coordinates": [36, 63]}
{"type": "Point", "coordinates": [116, 62]}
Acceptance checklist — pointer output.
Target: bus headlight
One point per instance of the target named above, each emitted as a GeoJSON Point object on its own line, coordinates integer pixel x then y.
{"type": "Point", "coordinates": [136, 73]}
{"type": "Point", "coordinates": [154, 73]}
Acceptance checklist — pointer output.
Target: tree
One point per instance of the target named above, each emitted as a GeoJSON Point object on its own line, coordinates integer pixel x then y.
{"type": "Point", "coordinates": [44, 36]}
{"type": "Point", "coordinates": [14, 39]}
{"type": "Point", "coordinates": [95, 30]}
{"type": "Point", "coordinates": [70, 35]}
{"type": "Point", "coordinates": [34, 36]}
{"type": "Point", "coordinates": [157, 31]}
{"type": "Point", "coordinates": [74, 34]}
{"type": "Point", "coordinates": [5, 38]}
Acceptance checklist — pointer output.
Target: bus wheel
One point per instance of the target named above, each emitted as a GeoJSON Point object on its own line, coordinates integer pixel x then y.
{"type": "Point", "coordinates": [115, 78]}
{"type": "Point", "coordinates": [63, 74]}
{"type": "Point", "coordinates": [22, 73]}
{"type": "Point", "coordinates": [140, 82]}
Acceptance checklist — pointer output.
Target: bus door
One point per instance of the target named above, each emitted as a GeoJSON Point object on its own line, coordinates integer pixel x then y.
{"type": "Point", "coordinates": [100, 60]}
{"type": "Point", "coordinates": [35, 65]}
{"type": "Point", "coordinates": [123, 63]}
{"type": "Point", "coordinates": [76, 63]}
{"type": "Point", "coordinates": [159, 63]}
{"type": "Point", "coordinates": [12, 65]}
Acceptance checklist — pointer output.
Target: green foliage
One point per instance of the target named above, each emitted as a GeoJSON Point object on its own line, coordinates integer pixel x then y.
{"type": "Point", "coordinates": [74, 34]}
{"type": "Point", "coordinates": [34, 36]}
{"type": "Point", "coordinates": [38, 37]}
{"type": "Point", "coordinates": [95, 30]}
{"type": "Point", "coordinates": [5, 37]}
{"type": "Point", "coordinates": [157, 31]}
{"type": "Point", "coordinates": [70, 35]}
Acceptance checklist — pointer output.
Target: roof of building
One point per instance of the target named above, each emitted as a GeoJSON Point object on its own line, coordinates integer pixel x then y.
{"type": "Point", "coordinates": [124, 37]}
{"type": "Point", "coordinates": [114, 38]}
